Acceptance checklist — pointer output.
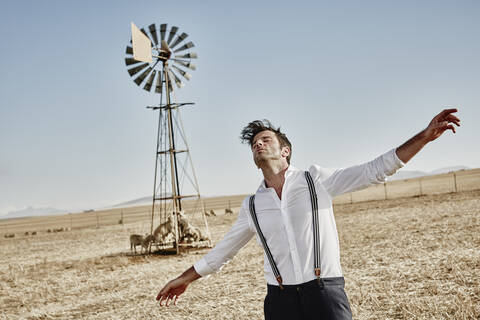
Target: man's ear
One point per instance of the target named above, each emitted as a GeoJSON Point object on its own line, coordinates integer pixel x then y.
{"type": "Point", "coordinates": [285, 151]}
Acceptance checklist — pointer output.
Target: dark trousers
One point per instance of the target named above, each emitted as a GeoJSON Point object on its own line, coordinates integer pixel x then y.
{"type": "Point", "coordinates": [307, 301]}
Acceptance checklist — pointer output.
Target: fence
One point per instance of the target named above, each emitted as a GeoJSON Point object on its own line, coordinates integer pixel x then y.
{"type": "Point", "coordinates": [99, 218]}
{"type": "Point", "coordinates": [443, 183]}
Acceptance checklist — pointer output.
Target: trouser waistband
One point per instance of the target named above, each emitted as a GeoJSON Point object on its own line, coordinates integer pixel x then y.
{"type": "Point", "coordinates": [321, 282]}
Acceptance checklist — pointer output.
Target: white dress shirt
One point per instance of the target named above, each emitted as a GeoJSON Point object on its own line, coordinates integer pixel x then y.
{"type": "Point", "coordinates": [287, 223]}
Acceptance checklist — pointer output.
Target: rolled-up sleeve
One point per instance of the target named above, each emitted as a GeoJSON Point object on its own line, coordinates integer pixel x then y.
{"type": "Point", "coordinates": [225, 250]}
{"type": "Point", "coordinates": [361, 176]}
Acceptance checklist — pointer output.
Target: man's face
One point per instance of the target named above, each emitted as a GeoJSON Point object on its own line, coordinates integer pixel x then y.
{"type": "Point", "coordinates": [265, 147]}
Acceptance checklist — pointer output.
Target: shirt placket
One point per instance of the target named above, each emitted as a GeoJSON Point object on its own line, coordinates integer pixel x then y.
{"type": "Point", "coordinates": [290, 234]}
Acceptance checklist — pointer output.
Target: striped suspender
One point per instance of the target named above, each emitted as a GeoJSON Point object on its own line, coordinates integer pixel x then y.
{"type": "Point", "coordinates": [264, 242]}
{"type": "Point", "coordinates": [316, 237]}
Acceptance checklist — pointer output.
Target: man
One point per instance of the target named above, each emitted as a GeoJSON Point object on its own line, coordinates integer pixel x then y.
{"type": "Point", "coordinates": [302, 256]}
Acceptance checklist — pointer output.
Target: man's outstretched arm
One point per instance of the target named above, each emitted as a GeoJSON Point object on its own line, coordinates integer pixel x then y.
{"type": "Point", "coordinates": [439, 124]}
{"type": "Point", "coordinates": [361, 176]}
{"type": "Point", "coordinates": [177, 286]}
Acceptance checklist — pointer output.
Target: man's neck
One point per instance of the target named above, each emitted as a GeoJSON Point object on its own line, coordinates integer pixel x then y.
{"type": "Point", "coordinates": [274, 175]}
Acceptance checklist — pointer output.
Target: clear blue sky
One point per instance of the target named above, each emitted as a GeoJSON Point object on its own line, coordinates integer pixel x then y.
{"type": "Point", "coordinates": [346, 81]}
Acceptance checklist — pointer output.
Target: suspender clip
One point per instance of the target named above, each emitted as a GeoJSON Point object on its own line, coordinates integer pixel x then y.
{"type": "Point", "coordinates": [279, 280]}
{"type": "Point", "coordinates": [317, 274]}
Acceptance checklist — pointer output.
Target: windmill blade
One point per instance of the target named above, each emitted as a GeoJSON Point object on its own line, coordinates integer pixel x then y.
{"type": "Point", "coordinates": [184, 74]}
{"type": "Point", "coordinates": [142, 77]}
{"type": "Point", "coordinates": [185, 46]}
{"type": "Point", "coordinates": [148, 84]}
{"type": "Point", "coordinates": [172, 33]}
{"type": "Point", "coordinates": [163, 30]}
{"type": "Point", "coordinates": [191, 55]}
{"type": "Point", "coordinates": [142, 47]}
{"type": "Point", "coordinates": [153, 31]}
{"type": "Point", "coordinates": [165, 47]}
{"type": "Point", "coordinates": [130, 61]}
{"type": "Point", "coordinates": [186, 64]}
{"type": "Point", "coordinates": [178, 82]}
{"type": "Point", "coordinates": [158, 86]}
{"type": "Point", "coordinates": [129, 50]}
{"type": "Point", "coordinates": [137, 69]}
{"type": "Point", "coordinates": [179, 39]}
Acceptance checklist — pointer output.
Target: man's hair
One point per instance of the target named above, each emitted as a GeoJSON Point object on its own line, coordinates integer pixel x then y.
{"type": "Point", "coordinates": [257, 126]}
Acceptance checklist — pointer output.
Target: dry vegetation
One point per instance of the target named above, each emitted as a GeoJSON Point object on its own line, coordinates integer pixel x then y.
{"type": "Point", "coordinates": [411, 258]}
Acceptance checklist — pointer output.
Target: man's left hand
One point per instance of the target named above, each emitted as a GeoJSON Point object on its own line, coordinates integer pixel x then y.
{"type": "Point", "coordinates": [440, 123]}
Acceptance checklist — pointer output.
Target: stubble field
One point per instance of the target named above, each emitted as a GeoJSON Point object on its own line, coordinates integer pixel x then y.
{"type": "Point", "coordinates": [408, 258]}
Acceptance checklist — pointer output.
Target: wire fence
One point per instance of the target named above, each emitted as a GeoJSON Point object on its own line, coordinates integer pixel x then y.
{"type": "Point", "coordinates": [458, 181]}
{"type": "Point", "coordinates": [100, 218]}
{"type": "Point", "coordinates": [442, 183]}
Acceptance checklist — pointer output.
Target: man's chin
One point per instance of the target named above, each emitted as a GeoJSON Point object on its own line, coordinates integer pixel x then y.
{"type": "Point", "coordinates": [261, 160]}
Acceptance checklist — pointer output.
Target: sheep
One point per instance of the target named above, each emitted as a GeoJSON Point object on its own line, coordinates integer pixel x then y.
{"type": "Point", "coordinates": [147, 242]}
{"type": "Point", "coordinates": [9, 235]}
{"type": "Point", "coordinates": [228, 211]}
{"type": "Point", "coordinates": [136, 240]}
{"type": "Point", "coordinates": [162, 232]}
{"type": "Point", "coordinates": [34, 233]}
{"type": "Point", "coordinates": [189, 233]}
{"type": "Point", "coordinates": [27, 233]}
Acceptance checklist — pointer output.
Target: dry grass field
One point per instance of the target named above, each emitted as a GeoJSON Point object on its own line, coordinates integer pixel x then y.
{"type": "Point", "coordinates": [406, 258]}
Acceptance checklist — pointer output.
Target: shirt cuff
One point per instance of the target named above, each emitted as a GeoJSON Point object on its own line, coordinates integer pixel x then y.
{"type": "Point", "coordinates": [400, 163]}
{"type": "Point", "coordinates": [391, 162]}
{"type": "Point", "coordinates": [202, 268]}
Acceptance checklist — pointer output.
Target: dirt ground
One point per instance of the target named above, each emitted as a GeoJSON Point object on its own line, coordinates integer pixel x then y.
{"type": "Point", "coordinates": [411, 258]}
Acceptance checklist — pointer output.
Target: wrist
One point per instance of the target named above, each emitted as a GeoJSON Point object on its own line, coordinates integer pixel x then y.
{"type": "Point", "coordinates": [189, 275]}
{"type": "Point", "coordinates": [423, 136]}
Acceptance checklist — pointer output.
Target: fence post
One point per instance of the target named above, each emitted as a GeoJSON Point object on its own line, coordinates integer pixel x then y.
{"type": "Point", "coordinates": [455, 180]}
{"type": "Point", "coordinates": [420, 183]}
{"type": "Point", "coordinates": [121, 216]}
{"type": "Point", "coordinates": [351, 198]}
{"type": "Point", "coordinates": [71, 226]}
{"type": "Point", "coordinates": [96, 213]}
{"type": "Point", "coordinates": [385, 189]}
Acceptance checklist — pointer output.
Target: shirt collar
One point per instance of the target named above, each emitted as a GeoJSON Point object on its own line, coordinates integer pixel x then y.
{"type": "Point", "coordinates": [291, 169]}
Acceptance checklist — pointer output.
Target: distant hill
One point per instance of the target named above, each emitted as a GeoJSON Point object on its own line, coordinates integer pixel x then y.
{"type": "Point", "coordinates": [407, 174]}
{"type": "Point", "coordinates": [32, 212]}
{"type": "Point", "coordinates": [135, 202]}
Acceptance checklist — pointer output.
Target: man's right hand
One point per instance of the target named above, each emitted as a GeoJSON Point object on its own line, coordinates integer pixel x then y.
{"type": "Point", "coordinates": [173, 289]}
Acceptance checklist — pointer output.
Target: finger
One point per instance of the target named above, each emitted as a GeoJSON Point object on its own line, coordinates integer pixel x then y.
{"type": "Point", "coordinates": [444, 125]}
{"type": "Point", "coordinates": [160, 300]}
{"type": "Point", "coordinates": [175, 301]}
{"type": "Point", "coordinates": [442, 115]}
{"type": "Point", "coordinates": [452, 118]}
{"type": "Point", "coordinates": [169, 298]}
{"type": "Point", "coordinates": [159, 296]}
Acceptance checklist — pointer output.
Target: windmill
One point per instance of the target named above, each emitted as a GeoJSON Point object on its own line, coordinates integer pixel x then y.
{"type": "Point", "coordinates": [156, 60]}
